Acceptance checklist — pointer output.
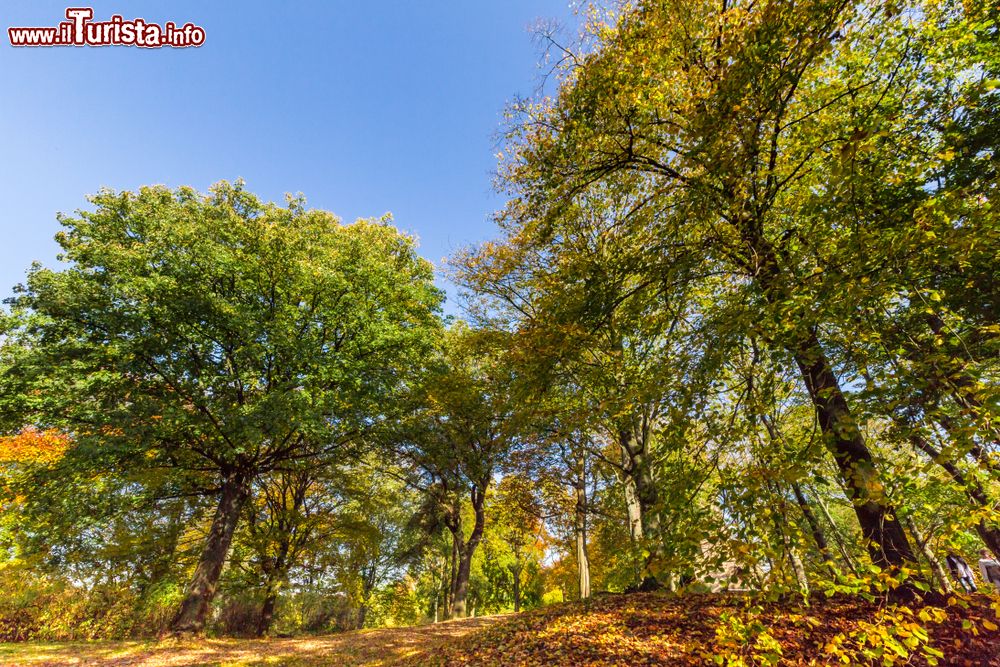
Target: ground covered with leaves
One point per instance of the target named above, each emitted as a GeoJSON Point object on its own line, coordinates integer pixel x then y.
{"type": "Point", "coordinates": [656, 629]}
{"type": "Point", "coordinates": [382, 646]}
{"type": "Point", "coordinates": [633, 630]}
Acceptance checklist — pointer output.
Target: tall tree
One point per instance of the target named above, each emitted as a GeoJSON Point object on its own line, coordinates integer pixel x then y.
{"type": "Point", "coordinates": [216, 334]}
{"type": "Point", "coordinates": [466, 421]}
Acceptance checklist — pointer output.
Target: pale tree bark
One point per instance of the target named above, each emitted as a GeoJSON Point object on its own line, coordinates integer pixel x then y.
{"type": "Point", "coordinates": [634, 510]}
{"type": "Point", "coordinates": [634, 443]}
{"type": "Point", "coordinates": [580, 529]}
{"type": "Point", "coordinates": [800, 571]}
{"type": "Point", "coordinates": [837, 537]}
{"type": "Point", "coordinates": [925, 549]}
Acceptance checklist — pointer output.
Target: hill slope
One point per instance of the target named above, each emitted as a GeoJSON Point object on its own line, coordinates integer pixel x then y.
{"type": "Point", "coordinates": [632, 630]}
{"type": "Point", "coordinates": [656, 629]}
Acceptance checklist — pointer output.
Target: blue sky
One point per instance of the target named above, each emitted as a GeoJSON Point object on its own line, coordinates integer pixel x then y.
{"type": "Point", "coordinates": [365, 107]}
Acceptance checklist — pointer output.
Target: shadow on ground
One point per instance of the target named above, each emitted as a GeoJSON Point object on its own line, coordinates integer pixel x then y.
{"type": "Point", "coordinates": [367, 647]}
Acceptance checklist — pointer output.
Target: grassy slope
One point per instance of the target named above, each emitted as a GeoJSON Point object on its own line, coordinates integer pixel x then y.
{"type": "Point", "coordinates": [632, 630]}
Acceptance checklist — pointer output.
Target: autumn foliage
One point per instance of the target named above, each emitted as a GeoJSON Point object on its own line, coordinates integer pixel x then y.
{"type": "Point", "coordinates": [34, 445]}
{"type": "Point", "coordinates": [656, 629]}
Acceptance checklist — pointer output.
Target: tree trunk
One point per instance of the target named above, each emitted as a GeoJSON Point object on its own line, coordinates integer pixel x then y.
{"type": "Point", "coordinates": [814, 527]}
{"type": "Point", "coordinates": [267, 612]}
{"type": "Point", "coordinates": [277, 575]}
{"type": "Point", "coordinates": [580, 528]}
{"type": "Point", "coordinates": [988, 532]}
{"type": "Point", "coordinates": [645, 496]}
{"type": "Point", "coordinates": [438, 589]}
{"type": "Point", "coordinates": [368, 581]}
{"type": "Point", "coordinates": [801, 580]}
{"type": "Point", "coordinates": [634, 511]}
{"type": "Point", "coordinates": [641, 499]}
{"type": "Point", "coordinates": [963, 391]}
{"type": "Point", "coordinates": [462, 585]}
{"type": "Point", "coordinates": [201, 589]}
{"type": "Point", "coordinates": [467, 551]}
{"type": "Point", "coordinates": [362, 615]}
{"type": "Point", "coordinates": [515, 570]}
{"type": "Point", "coordinates": [936, 570]}
{"type": "Point", "coordinates": [456, 548]}
{"type": "Point", "coordinates": [884, 536]}
{"type": "Point", "coordinates": [837, 536]}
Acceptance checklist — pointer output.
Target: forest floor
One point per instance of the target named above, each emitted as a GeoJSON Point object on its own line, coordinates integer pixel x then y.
{"type": "Point", "coordinates": [381, 646]}
{"type": "Point", "coordinates": [657, 629]}
{"type": "Point", "coordinates": [628, 630]}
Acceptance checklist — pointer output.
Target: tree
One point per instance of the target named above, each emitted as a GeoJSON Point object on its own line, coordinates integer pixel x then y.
{"type": "Point", "coordinates": [701, 119]}
{"type": "Point", "coordinates": [517, 515]}
{"type": "Point", "coordinates": [218, 335]}
{"type": "Point", "coordinates": [465, 422]}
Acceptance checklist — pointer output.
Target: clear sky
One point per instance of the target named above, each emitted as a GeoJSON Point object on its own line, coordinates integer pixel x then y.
{"type": "Point", "coordinates": [363, 106]}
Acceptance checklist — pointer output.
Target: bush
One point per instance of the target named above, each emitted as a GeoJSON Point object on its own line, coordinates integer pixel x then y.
{"type": "Point", "coordinates": [34, 607]}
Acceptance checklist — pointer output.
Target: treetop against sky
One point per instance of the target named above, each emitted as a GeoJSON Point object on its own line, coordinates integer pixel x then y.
{"type": "Point", "coordinates": [363, 107]}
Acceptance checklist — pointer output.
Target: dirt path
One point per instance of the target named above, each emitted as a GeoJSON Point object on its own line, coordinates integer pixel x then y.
{"type": "Point", "coordinates": [367, 647]}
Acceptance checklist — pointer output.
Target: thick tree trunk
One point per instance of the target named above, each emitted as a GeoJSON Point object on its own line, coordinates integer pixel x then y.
{"type": "Point", "coordinates": [367, 588]}
{"type": "Point", "coordinates": [362, 615]}
{"type": "Point", "coordinates": [276, 578]}
{"type": "Point", "coordinates": [465, 556]}
{"type": "Point", "coordinates": [462, 585]}
{"type": "Point", "coordinates": [580, 529]}
{"type": "Point", "coordinates": [636, 460]}
{"type": "Point", "coordinates": [641, 499]}
{"type": "Point", "coordinates": [201, 589]}
{"type": "Point", "coordinates": [884, 536]}
{"type": "Point", "coordinates": [267, 612]}
{"type": "Point", "coordinates": [634, 511]}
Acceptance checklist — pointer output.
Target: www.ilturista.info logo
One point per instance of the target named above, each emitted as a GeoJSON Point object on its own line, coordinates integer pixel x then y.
{"type": "Point", "coordinates": [79, 30]}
